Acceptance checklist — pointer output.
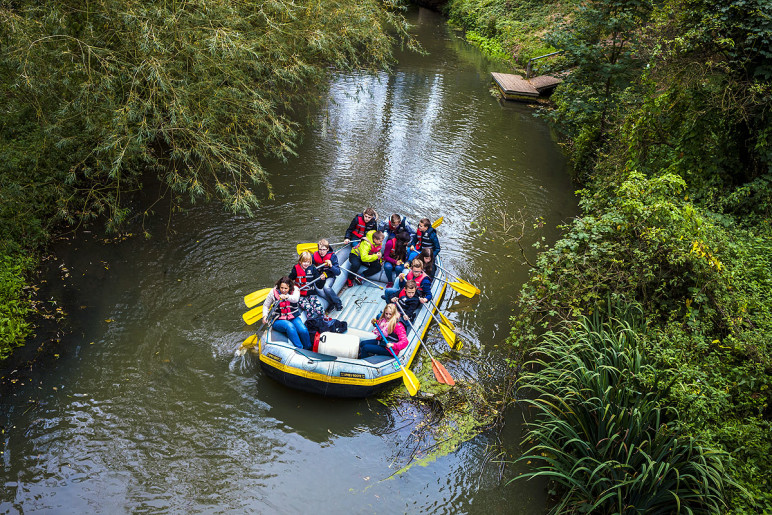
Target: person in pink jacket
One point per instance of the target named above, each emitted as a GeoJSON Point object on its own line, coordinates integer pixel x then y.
{"type": "Point", "coordinates": [396, 337]}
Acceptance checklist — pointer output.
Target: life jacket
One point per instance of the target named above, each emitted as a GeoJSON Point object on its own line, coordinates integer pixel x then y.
{"type": "Point", "coordinates": [394, 229]}
{"type": "Point", "coordinates": [359, 231]}
{"type": "Point", "coordinates": [287, 309]}
{"type": "Point", "coordinates": [423, 240]}
{"type": "Point", "coordinates": [417, 280]}
{"type": "Point", "coordinates": [374, 249]}
{"type": "Point", "coordinates": [302, 279]}
{"type": "Point", "coordinates": [318, 259]}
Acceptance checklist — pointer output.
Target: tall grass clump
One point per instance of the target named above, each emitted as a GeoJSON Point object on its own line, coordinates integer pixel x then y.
{"type": "Point", "coordinates": [601, 433]}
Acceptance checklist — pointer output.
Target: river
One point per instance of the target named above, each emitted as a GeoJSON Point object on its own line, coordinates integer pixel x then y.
{"type": "Point", "coordinates": [142, 408]}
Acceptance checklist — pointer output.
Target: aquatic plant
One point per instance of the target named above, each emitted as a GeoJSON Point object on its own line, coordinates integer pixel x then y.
{"type": "Point", "coordinates": [601, 433]}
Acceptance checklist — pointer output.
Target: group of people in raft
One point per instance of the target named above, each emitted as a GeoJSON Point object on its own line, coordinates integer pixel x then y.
{"type": "Point", "coordinates": [392, 246]}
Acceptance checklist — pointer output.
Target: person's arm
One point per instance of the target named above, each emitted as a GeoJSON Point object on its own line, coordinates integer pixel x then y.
{"type": "Point", "coordinates": [295, 295]}
{"type": "Point", "coordinates": [350, 230]}
{"type": "Point", "coordinates": [364, 252]}
{"type": "Point", "coordinates": [436, 243]}
{"type": "Point", "coordinates": [267, 305]}
{"type": "Point", "coordinates": [387, 252]}
{"type": "Point", "coordinates": [426, 287]}
{"type": "Point", "coordinates": [402, 342]}
{"type": "Point", "coordinates": [335, 269]}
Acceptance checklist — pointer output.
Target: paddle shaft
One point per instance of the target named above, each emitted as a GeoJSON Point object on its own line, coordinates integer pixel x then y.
{"type": "Point", "coordinates": [365, 279]}
{"type": "Point", "coordinates": [440, 372]}
{"type": "Point", "coordinates": [401, 367]}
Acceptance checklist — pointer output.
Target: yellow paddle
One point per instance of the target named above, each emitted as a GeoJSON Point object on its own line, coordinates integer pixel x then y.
{"type": "Point", "coordinates": [256, 297]}
{"type": "Point", "coordinates": [438, 222]}
{"type": "Point", "coordinates": [253, 315]}
{"type": "Point", "coordinates": [408, 377]}
{"type": "Point", "coordinates": [443, 317]}
{"type": "Point", "coordinates": [313, 247]}
{"type": "Point", "coordinates": [467, 290]}
{"type": "Point", "coordinates": [462, 281]}
{"type": "Point", "coordinates": [446, 331]}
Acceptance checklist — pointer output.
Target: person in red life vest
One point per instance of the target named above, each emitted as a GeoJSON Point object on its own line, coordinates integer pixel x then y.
{"type": "Point", "coordinates": [281, 305]}
{"type": "Point", "coordinates": [394, 256]}
{"type": "Point", "coordinates": [306, 277]}
{"type": "Point", "coordinates": [407, 301]}
{"type": "Point", "coordinates": [425, 237]}
{"type": "Point", "coordinates": [361, 224]}
{"type": "Point", "coordinates": [326, 262]}
{"type": "Point", "coordinates": [396, 336]}
{"type": "Point", "coordinates": [417, 274]}
{"type": "Point", "coordinates": [368, 254]}
{"type": "Point", "coordinates": [394, 225]}
{"type": "Point", "coordinates": [427, 256]}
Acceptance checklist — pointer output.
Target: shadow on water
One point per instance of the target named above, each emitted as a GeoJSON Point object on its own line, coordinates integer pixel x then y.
{"type": "Point", "coordinates": [139, 408]}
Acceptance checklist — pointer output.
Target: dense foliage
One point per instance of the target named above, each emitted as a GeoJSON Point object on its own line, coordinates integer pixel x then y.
{"type": "Point", "coordinates": [601, 431]}
{"type": "Point", "coordinates": [182, 98]}
{"type": "Point", "coordinates": [666, 113]}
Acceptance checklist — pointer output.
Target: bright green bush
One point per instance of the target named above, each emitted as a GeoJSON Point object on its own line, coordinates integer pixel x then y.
{"type": "Point", "coordinates": [13, 305]}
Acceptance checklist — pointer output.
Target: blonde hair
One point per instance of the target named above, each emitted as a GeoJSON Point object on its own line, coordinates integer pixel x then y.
{"type": "Point", "coordinates": [417, 262]}
{"type": "Point", "coordinates": [393, 320]}
{"type": "Point", "coordinates": [305, 256]}
{"type": "Point", "coordinates": [323, 242]}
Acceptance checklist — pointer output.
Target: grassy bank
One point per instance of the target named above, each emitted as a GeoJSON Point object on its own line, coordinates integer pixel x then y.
{"type": "Point", "coordinates": [666, 116]}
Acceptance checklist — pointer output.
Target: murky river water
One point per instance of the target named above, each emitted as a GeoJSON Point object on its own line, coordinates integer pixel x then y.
{"type": "Point", "coordinates": [141, 408]}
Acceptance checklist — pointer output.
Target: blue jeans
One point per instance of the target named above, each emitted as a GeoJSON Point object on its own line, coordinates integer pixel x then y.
{"type": "Point", "coordinates": [370, 347]}
{"type": "Point", "coordinates": [390, 268]}
{"type": "Point", "coordinates": [326, 292]}
{"type": "Point", "coordinates": [296, 331]}
{"type": "Point", "coordinates": [371, 268]}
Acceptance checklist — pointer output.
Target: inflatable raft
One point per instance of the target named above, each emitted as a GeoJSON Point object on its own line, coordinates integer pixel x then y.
{"type": "Point", "coordinates": [330, 372]}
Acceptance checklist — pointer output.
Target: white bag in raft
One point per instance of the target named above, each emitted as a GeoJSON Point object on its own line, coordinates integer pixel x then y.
{"type": "Point", "coordinates": [340, 345]}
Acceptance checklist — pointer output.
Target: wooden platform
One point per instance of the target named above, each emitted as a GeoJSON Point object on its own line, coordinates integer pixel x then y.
{"type": "Point", "coordinates": [515, 87]}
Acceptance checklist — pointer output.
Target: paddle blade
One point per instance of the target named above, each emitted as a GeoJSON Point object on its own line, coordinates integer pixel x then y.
{"type": "Point", "coordinates": [307, 247]}
{"type": "Point", "coordinates": [441, 373]}
{"type": "Point", "coordinates": [256, 297]}
{"type": "Point", "coordinates": [411, 381]}
{"type": "Point", "coordinates": [448, 334]}
{"type": "Point", "coordinates": [253, 315]}
{"type": "Point", "coordinates": [438, 222]}
{"type": "Point", "coordinates": [463, 289]}
{"type": "Point", "coordinates": [470, 285]}
{"type": "Point", "coordinates": [249, 343]}
{"type": "Point", "coordinates": [445, 320]}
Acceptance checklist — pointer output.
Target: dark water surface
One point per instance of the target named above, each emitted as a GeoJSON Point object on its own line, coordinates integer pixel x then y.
{"type": "Point", "coordinates": [145, 409]}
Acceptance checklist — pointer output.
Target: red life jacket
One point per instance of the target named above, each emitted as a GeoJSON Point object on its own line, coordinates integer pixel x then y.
{"type": "Point", "coordinates": [301, 280]}
{"type": "Point", "coordinates": [286, 309]}
{"type": "Point", "coordinates": [419, 239]}
{"type": "Point", "coordinates": [318, 259]}
{"type": "Point", "coordinates": [417, 280]}
{"type": "Point", "coordinates": [359, 231]}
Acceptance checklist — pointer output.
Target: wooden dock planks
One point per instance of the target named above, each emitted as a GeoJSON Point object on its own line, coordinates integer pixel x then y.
{"type": "Point", "coordinates": [515, 87]}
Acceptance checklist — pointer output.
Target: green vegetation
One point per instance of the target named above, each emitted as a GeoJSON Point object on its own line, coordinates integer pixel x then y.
{"type": "Point", "coordinates": [101, 99]}
{"type": "Point", "coordinates": [601, 431]}
{"type": "Point", "coordinates": [507, 29]}
{"type": "Point", "coordinates": [667, 117]}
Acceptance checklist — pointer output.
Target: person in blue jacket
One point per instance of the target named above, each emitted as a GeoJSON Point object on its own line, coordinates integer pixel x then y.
{"type": "Point", "coordinates": [327, 263]}
{"type": "Point", "coordinates": [394, 225]}
{"type": "Point", "coordinates": [425, 237]}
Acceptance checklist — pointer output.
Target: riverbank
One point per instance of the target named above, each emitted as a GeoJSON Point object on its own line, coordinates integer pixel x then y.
{"type": "Point", "coordinates": [665, 116]}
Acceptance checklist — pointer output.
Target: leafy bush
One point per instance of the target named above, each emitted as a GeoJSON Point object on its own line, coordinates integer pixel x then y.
{"type": "Point", "coordinates": [13, 306]}
{"type": "Point", "coordinates": [601, 432]}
